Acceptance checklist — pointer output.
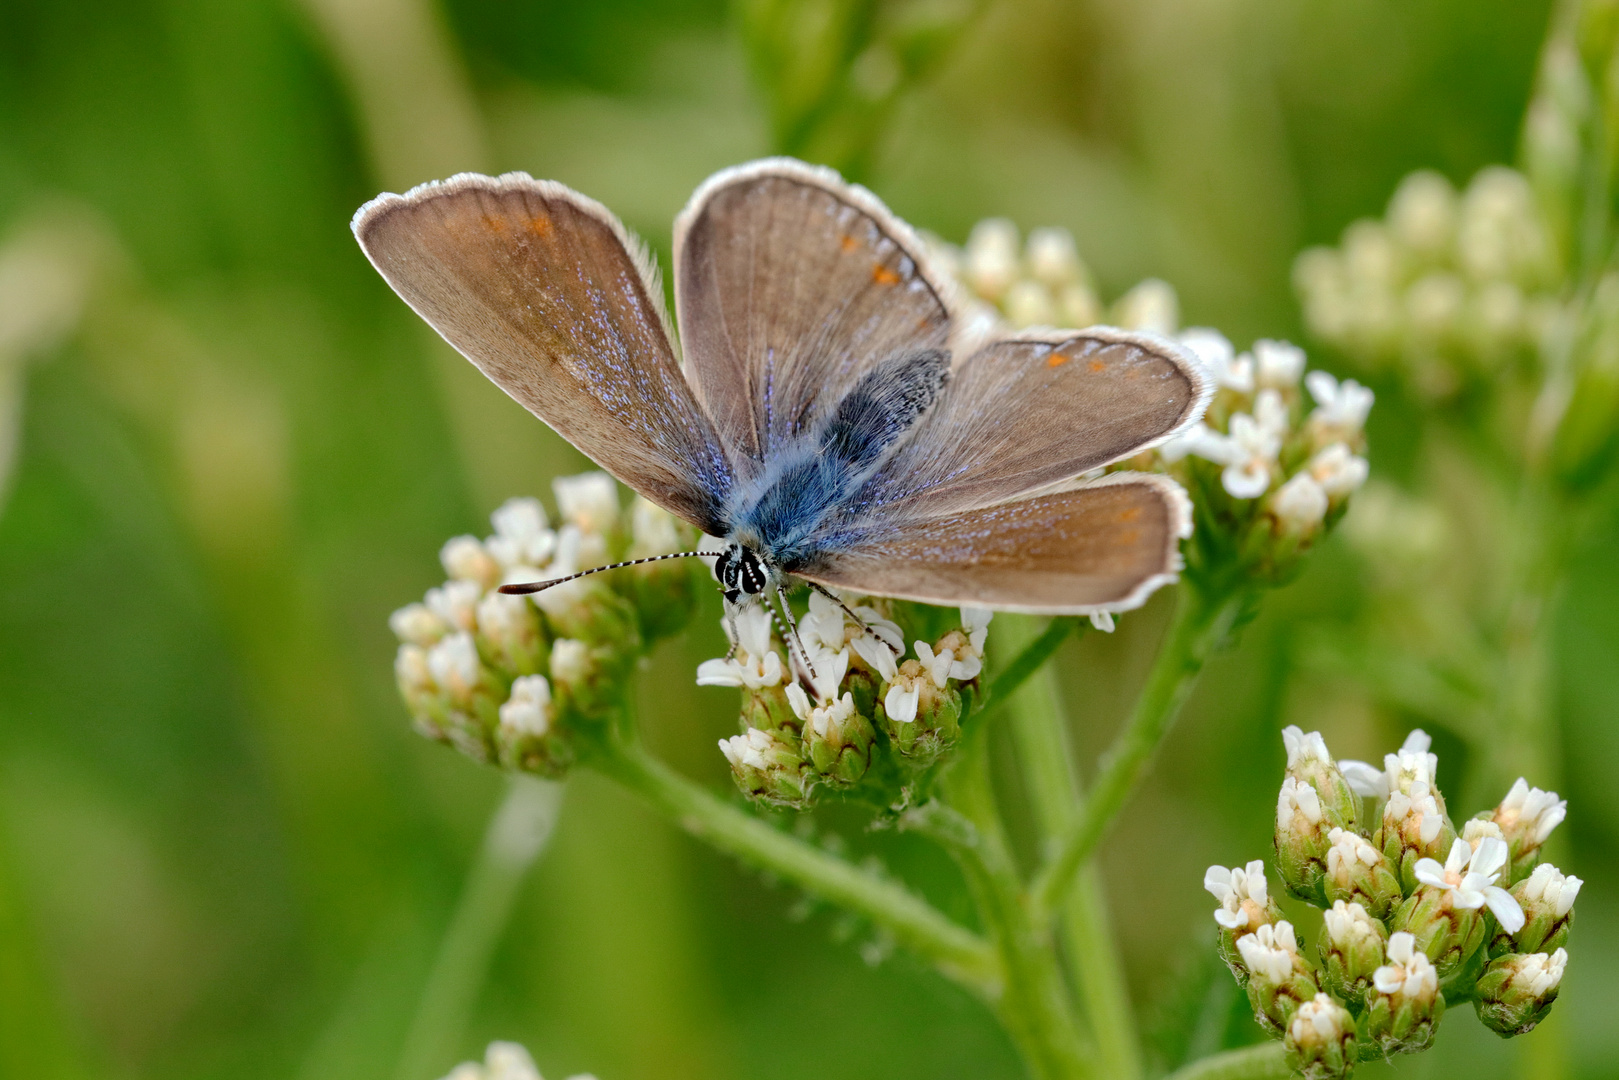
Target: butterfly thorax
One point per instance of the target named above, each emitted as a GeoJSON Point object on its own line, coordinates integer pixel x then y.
{"type": "Point", "coordinates": [795, 509]}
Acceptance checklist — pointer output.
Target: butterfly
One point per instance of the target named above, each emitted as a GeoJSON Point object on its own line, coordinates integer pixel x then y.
{"type": "Point", "coordinates": [826, 410]}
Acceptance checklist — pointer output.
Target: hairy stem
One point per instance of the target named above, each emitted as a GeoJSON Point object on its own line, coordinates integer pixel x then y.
{"type": "Point", "coordinates": [517, 834]}
{"type": "Point", "coordinates": [1201, 622]}
{"type": "Point", "coordinates": [1266, 1061]}
{"type": "Point", "coordinates": [953, 949]}
{"type": "Point", "coordinates": [1039, 729]}
{"type": "Point", "coordinates": [1035, 1008]}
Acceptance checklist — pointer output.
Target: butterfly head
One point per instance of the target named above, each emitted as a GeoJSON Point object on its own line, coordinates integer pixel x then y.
{"type": "Point", "coordinates": [742, 573]}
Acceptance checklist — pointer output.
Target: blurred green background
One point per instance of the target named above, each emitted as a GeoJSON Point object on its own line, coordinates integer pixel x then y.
{"type": "Point", "coordinates": [223, 853]}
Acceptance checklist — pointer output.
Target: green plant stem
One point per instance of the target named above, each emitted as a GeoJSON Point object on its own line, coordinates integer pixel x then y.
{"type": "Point", "coordinates": [956, 951]}
{"type": "Point", "coordinates": [517, 833]}
{"type": "Point", "coordinates": [1201, 623]}
{"type": "Point", "coordinates": [1035, 1008]}
{"type": "Point", "coordinates": [1040, 732]}
{"type": "Point", "coordinates": [1266, 1061]}
{"type": "Point", "coordinates": [1030, 659]}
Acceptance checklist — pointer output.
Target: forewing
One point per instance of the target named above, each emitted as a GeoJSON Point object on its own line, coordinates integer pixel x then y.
{"type": "Point", "coordinates": [1101, 546]}
{"type": "Point", "coordinates": [790, 285]}
{"type": "Point", "coordinates": [1022, 414]}
{"type": "Point", "coordinates": [551, 298]}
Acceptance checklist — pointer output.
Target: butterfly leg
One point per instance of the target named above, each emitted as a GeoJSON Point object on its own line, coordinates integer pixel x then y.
{"type": "Point", "coordinates": [789, 633]}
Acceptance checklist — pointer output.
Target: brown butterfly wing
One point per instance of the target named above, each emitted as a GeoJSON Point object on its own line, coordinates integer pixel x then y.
{"type": "Point", "coordinates": [1101, 546]}
{"type": "Point", "coordinates": [1020, 415]}
{"type": "Point", "coordinates": [550, 297]}
{"type": "Point", "coordinates": [790, 285]}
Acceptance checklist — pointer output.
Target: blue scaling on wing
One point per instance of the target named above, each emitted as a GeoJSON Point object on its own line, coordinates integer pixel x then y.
{"type": "Point", "coordinates": [784, 513]}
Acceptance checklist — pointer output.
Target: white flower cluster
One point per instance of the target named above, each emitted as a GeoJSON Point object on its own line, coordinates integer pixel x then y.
{"type": "Point", "coordinates": [479, 668]}
{"type": "Point", "coordinates": [1444, 284]}
{"type": "Point", "coordinates": [503, 1061]}
{"type": "Point", "coordinates": [1303, 461]}
{"type": "Point", "coordinates": [809, 704]}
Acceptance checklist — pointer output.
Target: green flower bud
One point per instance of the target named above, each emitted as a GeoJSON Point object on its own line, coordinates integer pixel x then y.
{"type": "Point", "coordinates": [1245, 906]}
{"type": "Point", "coordinates": [1301, 840]}
{"type": "Point", "coordinates": [1547, 898]}
{"type": "Point", "coordinates": [921, 712]}
{"type": "Point", "coordinates": [1358, 873]}
{"type": "Point", "coordinates": [1516, 991]}
{"type": "Point", "coordinates": [1279, 979]}
{"type": "Point", "coordinates": [1320, 1040]}
{"type": "Point", "coordinates": [769, 768]}
{"type": "Point", "coordinates": [837, 740]}
{"type": "Point", "coordinates": [1403, 1005]}
{"type": "Point", "coordinates": [1351, 949]}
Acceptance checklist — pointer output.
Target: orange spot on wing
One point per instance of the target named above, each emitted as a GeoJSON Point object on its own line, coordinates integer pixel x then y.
{"type": "Point", "coordinates": [1129, 514]}
{"type": "Point", "coordinates": [848, 243]}
{"type": "Point", "coordinates": [1057, 359]}
{"type": "Point", "coordinates": [494, 224]}
{"type": "Point", "coordinates": [882, 275]}
{"type": "Point", "coordinates": [1097, 365]}
{"type": "Point", "coordinates": [540, 226]}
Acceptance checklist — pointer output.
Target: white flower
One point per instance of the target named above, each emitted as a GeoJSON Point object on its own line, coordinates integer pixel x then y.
{"type": "Point", "coordinates": [1414, 764]}
{"type": "Point", "coordinates": [1151, 307]}
{"type": "Point", "coordinates": [1548, 885]}
{"type": "Point", "coordinates": [1300, 504]}
{"type": "Point", "coordinates": [1348, 923]}
{"type": "Point", "coordinates": [1469, 877]}
{"type": "Point", "coordinates": [504, 618]}
{"type": "Point", "coordinates": [1103, 621]}
{"type": "Point", "coordinates": [589, 500]}
{"type": "Point", "coordinates": [936, 665]}
{"type": "Point", "coordinates": [1241, 892]}
{"type": "Point", "coordinates": [1348, 852]}
{"type": "Point", "coordinates": [1029, 303]}
{"type": "Point", "coordinates": [748, 749]}
{"type": "Point", "coordinates": [1297, 798]}
{"type": "Point", "coordinates": [528, 711]}
{"type": "Point", "coordinates": [522, 536]}
{"type": "Point", "coordinates": [1269, 953]}
{"type": "Point", "coordinates": [1199, 440]}
{"type": "Point", "coordinates": [653, 529]}
{"type": "Point", "coordinates": [754, 662]}
{"type": "Point", "coordinates": [1277, 364]}
{"type": "Point", "coordinates": [904, 694]}
{"type": "Point", "coordinates": [454, 665]}
{"type": "Point", "coordinates": [1534, 811]}
{"type": "Point", "coordinates": [1052, 257]}
{"type": "Point", "coordinates": [1341, 408]}
{"type": "Point", "coordinates": [417, 624]}
{"type": "Point", "coordinates": [1338, 470]}
{"type": "Point", "coordinates": [570, 661]}
{"type": "Point", "coordinates": [1409, 972]}
{"type": "Point", "coordinates": [456, 602]}
{"type": "Point", "coordinates": [822, 719]}
{"type": "Point", "coordinates": [1304, 747]}
{"type": "Point", "coordinates": [1475, 830]}
{"type": "Point", "coordinates": [830, 668]}
{"type": "Point", "coordinates": [1318, 1021]}
{"type": "Point", "coordinates": [464, 559]}
{"type": "Point", "coordinates": [1415, 811]}
{"type": "Point", "coordinates": [411, 670]}
{"type": "Point", "coordinates": [975, 622]}
{"type": "Point", "coordinates": [990, 261]}
{"type": "Point", "coordinates": [1219, 359]}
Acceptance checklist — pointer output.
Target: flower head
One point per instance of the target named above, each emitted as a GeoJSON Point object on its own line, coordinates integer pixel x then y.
{"type": "Point", "coordinates": [1321, 1039]}
{"type": "Point", "coordinates": [1517, 991]}
{"type": "Point", "coordinates": [1468, 879]}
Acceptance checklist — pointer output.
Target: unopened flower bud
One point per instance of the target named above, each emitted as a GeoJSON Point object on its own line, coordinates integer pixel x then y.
{"type": "Point", "coordinates": [768, 767]}
{"type": "Point", "coordinates": [1279, 979]}
{"type": "Point", "coordinates": [1415, 825]}
{"type": "Point", "coordinates": [1301, 840]}
{"type": "Point", "coordinates": [1053, 259]}
{"type": "Point", "coordinates": [1320, 1040]}
{"type": "Point", "coordinates": [1245, 906]}
{"type": "Point", "coordinates": [1422, 213]}
{"type": "Point", "coordinates": [1404, 1005]}
{"type": "Point", "coordinates": [1151, 306]}
{"type": "Point", "coordinates": [420, 692]}
{"type": "Point", "coordinates": [527, 737]}
{"type": "Point", "coordinates": [583, 675]}
{"type": "Point", "coordinates": [1360, 874]}
{"type": "Point", "coordinates": [1351, 950]}
{"type": "Point", "coordinates": [1029, 303]}
{"type": "Point", "coordinates": [990, 261]}
{"type": "Point", "coordinates": [456, 603]}
{"type": "Point", "coordinates": [1527, 817]}
{"type": "Point", "coordinates": [1299, 505]}
{"type": "Point", "coordinates": [464, 559]}
{"type": "Point", "coordinates": [523, 537]}
{"type": "Point", "coordinates": [418, 625]}
{"type": "Point", "coordinates": [837, 740]}
{"type": "Point", "coordinates": [1516, 991]}
{"type": "Point", "coordinates": [1309, 760]}
{"type": "Point", "coordinates": [1547, 899]}
{"type": "Point", "coordinates": [1278, 364]}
